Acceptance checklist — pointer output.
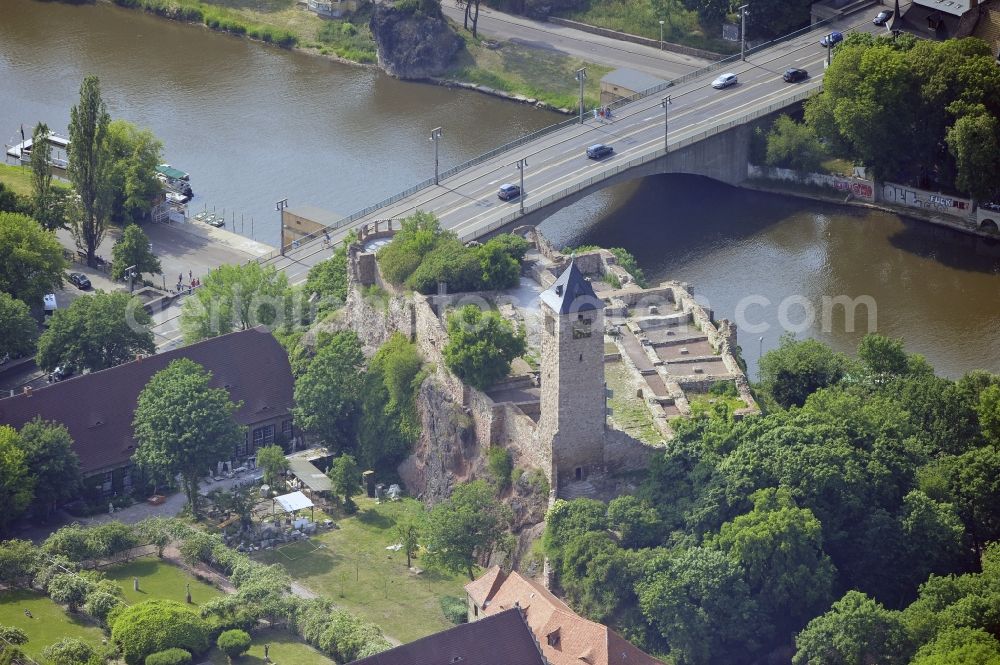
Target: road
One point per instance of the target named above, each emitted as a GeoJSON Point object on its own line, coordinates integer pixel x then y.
{"type": "Point", "coordinates": [584, 45]}
{"type": "Point", "coordinates": [467, 202]}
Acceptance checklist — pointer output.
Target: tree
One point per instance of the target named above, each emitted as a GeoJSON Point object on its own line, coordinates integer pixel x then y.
{"type": "Point", "coordinates": [566, 520]}
{"type": "Point", "coordinates": [49, 454]}
{"type": "Point", "coordinates": [596, 575]}
{"type": "Point", "coordinates": [418, 234]}
{"type": "Point", "coordinates": [13, 635]}
{"type": "Point", "coordinates": [134, 155]}
{"type": "Point", "coordinates": [272, 460]}
{"type": "Point", "coordinates": [237, 297]}
{"type": "Point", "coordinates": [326, 394]}
{"type": "Point", "coordinates": [346, 477]}
{"type": "Point", "coordinates": [17, 328]}
{"type": "Point", "coordinates": [471, 11]}
{"type": "Point", "coordinates": [46, 202]}
{"type": "Point", "coordinates": [70, 589]}
{"type": "Point", "coordinates": [481, 346]}
{"type": "Point", "coordinates": [960, 645]}
{"type": "Point", "coordinates": [156, 625]}
{"type": "Point", "coordinates": [794, 146]}
{"type": "Point", "coordinates": [796, 369]}
{"type": "Point", "coordinates": [855, 631]}
{"type": "Point", "coordinates": [68, 651]}
{"type": "Point", "coordinates": [883, 357]}
{"type": "Point", "coordinates": [233, 643]}
{"type": "Point", "coordinates": [89, 166]}
{"type": "Point", "coordinates": [32, 262]}
{"type": "Point", "coordinates": [408, 532]}
{"type": "Point", "coordinates": [19, 561]}
{"type": "Point", "coordinates": [974, 141]}
{"type": "Point", "coordinates": [16, 482]}
{"type": "Point", "coordinates": [973, 483]}
{"type": "Point", "coordinates": [773, 18]}
{"type": "Point", "coordinates": [183, 426]}
{"type": "Point", "coordinates": [988, 410]}
{"type": "Point", "coordinates": [328, 280]}
{"type": "Point", "coordinates": [132, 251]}
{"type": "Point", "coordinates": [467, 528]}
{"type": "Point", "coordinates": [96, 332]}
{"type": "Point", "coordinates": [500, 270]}
{"type": "Point", "coordinates": [389, 422]}
{"type": "Point", "coordinates": [638, 522]}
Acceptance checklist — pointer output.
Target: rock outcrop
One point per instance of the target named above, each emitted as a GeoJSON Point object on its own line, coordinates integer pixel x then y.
{"type": "Point", "coordinates": [413, 39]}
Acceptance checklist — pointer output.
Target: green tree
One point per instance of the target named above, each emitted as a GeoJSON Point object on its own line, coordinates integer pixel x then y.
{"type": "Point", "coordinates": [46, 202]}
{"type": "Point", "coordinates": [233, 643]}
{"type": "Point", "coordinates": [419, 234]}
{"type": "Point", "coordinates": [90, 166]}
{"type": "Point", "coordinates": [70, 589]}
{"type": "Point", "coordinates": [973, 483]}
{"type": "Point", "coordinates": [856, 630]}
{"type": "Point", "coordinates": [156, 625]}
{"type": "Point", "coordinates": [500, 270]}
{"type": "Point", "coordinates": [169, 657]}
{"type": "Point", "coordinates": [346, 477]}
{"type": "Point", "coordinates": [793, 145]}
{"type": "Point", "coordinates": [16, 482]}
{"type": "Point", "coordinates": [237, 297]}
{"type": "Point", "coordinates": [449, 263]}
{"type": "Point", "coordinates": [183, 426]}
{"type": "Point", "coordinates": [134, 154]}
{"type": "Point", "coordinates": [13, 635]}
{"type": "Point", "coordinates": [467, 528]}
{"type": "Point", "coordinates": [407, 530]}
{"type": "Point", "coordinates": [49, 454]}
{"type": "Point", "coordinates": [566, 520]}
{"type": "Point", "coordinates": [19, 561]}
{"type": "Point", "coordinates": [988, 410]}
{"type": "Point", "coordinates": [17, 329]}
{"type": "Point", "coordinates": [481, 346]}
{"type": "Point", "coordinates": [32, 262]}
{"type": "Point", "coordinates": [971, 646]}
{"type": "Point", "coordinates": [326, 394]}
{"type": "Point", "coordinates": [796, 369]}
{"type": "Point", "coordinates": [328, 280]}
{"type": "Point", "coordinates": [11, 201]}
{"type": "Point", "coordinates": [389, 422]}
{"type": "Point", "coordinates": [96, 332]}
{"type": "Point", "coordinates": [272, 460]}
{"type": "Point", "coordinates": [596, 575]}
{"type": "Point", "coordinates": [132, 249]}
{"type": "Point", "coordinates": [883, 357]}
{"type": "Point", "coordinates": [499, 465]}
{"type": "Point", "coordinates": [636, 521]}
{"type": "Point", "coordinates": [68, 651]}
{"type": "Point", "coordinates": [974, 141]}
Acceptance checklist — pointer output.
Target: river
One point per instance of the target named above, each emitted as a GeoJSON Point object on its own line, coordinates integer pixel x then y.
{"type": "Point", "coordinates": [255, 124]}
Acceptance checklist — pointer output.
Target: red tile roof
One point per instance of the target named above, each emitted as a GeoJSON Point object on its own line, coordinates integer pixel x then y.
{"type": "Point", "coordinates": [501, 639]}
{"type": "Point", "coordinates": [565, 637]}
{"type": "Point", "coordinates": [97, 408]}
{"type": "Point", "coordinates": [483, 588]}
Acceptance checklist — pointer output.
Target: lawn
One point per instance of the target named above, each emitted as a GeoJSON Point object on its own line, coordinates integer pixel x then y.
{"type": "Point", "coordinates": [705, 402]}
{"type": "Point", "coordinates": [159, 579]}
{"type": "Point", "coordinates": [18, 178]}
{"type": "Point", "coordinates": [352, 567]}
{"type": "Point", "coordinates": [284, 649]}
{"type": "Point", "coordinates": [628, 411]}
{"type": "Point", "coordinates": [49, 623]}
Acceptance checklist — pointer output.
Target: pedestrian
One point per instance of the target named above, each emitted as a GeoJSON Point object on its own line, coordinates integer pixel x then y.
{"type": "Point", "coordinates": [267, 655]}
{"type": "Point", "coordinates": [180, 279]}
{"type": "Point", "coordinates": [190, 276]}
{"type": "Point", "coordinates": [601, 112]}
{"type": "Point", "coordinates": [326, 238]}
{"type": "Point", "coordinates": [595, 114]}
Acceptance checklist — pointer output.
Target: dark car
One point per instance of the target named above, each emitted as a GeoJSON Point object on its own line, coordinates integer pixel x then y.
{"type": "Point", "coordinates": [832, 39]}
{"type": "Point", "coordinates": [598, 151]}
{"type": "Point", "coordinates": [79, 280]}
{"type": "Point", "coordinates": [60, 373]}
{"type": "Point", "coordinates": [508, 192]}
{"type": "Point", "coordinates": [882, 17]}
{"type": "Point", "coordinates": [794, 75]}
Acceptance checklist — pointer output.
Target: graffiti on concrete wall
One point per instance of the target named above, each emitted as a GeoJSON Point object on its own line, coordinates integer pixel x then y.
{"type": "Point", "coordinates": [919, 198]}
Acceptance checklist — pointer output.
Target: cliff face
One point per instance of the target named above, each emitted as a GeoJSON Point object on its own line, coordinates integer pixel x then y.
{"type": "Point", "coordinates": [413, 43]}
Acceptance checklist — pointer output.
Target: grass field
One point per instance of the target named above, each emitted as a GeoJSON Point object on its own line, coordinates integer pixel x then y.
{"type": "Point", "coordinates": [284, 649]}
{"type": "Point", "coordinates": [705, 402]}
{"type": "Point", "coordinates": [17, 178]}
{"type": "Point", "coordinates": [159, 579]}
{"type": "Point", "coordinates": [628, 411]}
{"type": "Point", "coordinates": [354, 569]}
{"type": "Point", "coordinates": [49, 623]}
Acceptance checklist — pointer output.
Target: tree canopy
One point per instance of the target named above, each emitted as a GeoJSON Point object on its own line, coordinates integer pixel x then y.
{"type": "Point", "coordinates": [467, 528]}
{"type": "Point", "coordinates": [132, 249]}
{"type": "Point", "coordinates": [481, 346]}
{"type": "Point", "coordinates": [326, 394]}
{"type": "Point", "coordinates": [16, 481]}
{"type": "Point", "coordinates": [32, 262]}
{"type": "Point", "coordinates": [134, 154]}
{"type": "Point", "coordinates": [17, 328]}
{"type": "Point", "coordinates": [156, 625]}
{"type": "Point", "coordinates": [237, 297]}
{"type": "Point", "coordinates": [49, 454]}
{"type": "Point", "coordinates": [90, 166]}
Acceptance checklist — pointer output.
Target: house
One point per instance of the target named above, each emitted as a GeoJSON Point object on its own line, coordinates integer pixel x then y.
{"type": "Point", "coordinates": [332, 8]}
{"type": "Point", "coordinates": [500, 639]}
{"type": "Point", "coordinates": [98, 408]}
{"type": "Point", "coordinates": [565, 637]}
{"type": "Point", "coordinates": [623, 83]}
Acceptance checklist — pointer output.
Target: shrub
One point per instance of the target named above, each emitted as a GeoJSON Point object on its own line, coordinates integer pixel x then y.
{"type": "Point", "coordinates": [156, 625]}
{"type": "Point", "coordinates": [481, 346]}
{"type": "Point", "coordinates": [68, 651]}
{"type": "Point", "coordinates": [500, 465]}
{"type": "Point", "coordinates": [233, 643]}
{"type": "Point", "coordinates": [451, 263]}
{"type": "Point", "coordinates": [455, 609]}
{"type": "Point", "coordinates": [169, 657]}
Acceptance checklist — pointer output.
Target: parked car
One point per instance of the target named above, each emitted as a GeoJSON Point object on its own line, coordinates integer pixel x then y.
{"type": "Point", "coordinates": [724, 81]}
{"type": "Point", "coordinates": [794, 75]}
{"type": "Point", "coordinates": [79, 280]}
{"type": "Point", "coordinates": [832, 39]}
{"type": "Point", "coordinates": [882, 17]}
{"type": "Point", "coordinates": [599, 150]}
{"type": "Point", "coordinates": [60, 373]}
{"type": "Point", "coordinates": [508, 192]}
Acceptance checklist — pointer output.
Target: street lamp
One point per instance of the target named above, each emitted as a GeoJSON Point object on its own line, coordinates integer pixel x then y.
{"type": "Point", "coordinates": [666, 121]}
{"type": "Point", "coordinates": [661, 35]}
{"type": "Point", "coordinates": [130, 273]}
{"type": "Point", "coordinates": [760, 354]}
{"type": "Point", "coordinates": [521, 163]}
{"type": "Point", "coordinates": [436, 137]}
{"type": "Point", "coordinates": [581, 76]}
{"type": "Point", "coordinates": [279, 206]}
{"type": "Point", "coordinates": [743, 31]}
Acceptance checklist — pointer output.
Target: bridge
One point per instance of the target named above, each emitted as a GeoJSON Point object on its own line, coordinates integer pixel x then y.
{"type": "Point", "coordinates": [701, 131]}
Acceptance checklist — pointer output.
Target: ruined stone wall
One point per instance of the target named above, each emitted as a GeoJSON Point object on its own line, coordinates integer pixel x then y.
{"type": "Point", "coordinates": [624, 453]}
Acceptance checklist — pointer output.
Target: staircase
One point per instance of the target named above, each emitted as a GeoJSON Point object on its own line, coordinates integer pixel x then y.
{"type": "Point", "coordinates": [578, 489]}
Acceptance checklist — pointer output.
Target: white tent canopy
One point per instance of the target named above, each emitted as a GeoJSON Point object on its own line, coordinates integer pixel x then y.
{"type": "Point", "coordinates": [293, 501]}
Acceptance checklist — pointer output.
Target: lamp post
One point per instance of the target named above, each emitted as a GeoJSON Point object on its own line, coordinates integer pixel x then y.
{"type": "Point", "coordinates": [435, 138]}
{"type": "Point", "coordinates": [760, 354]}
{"type": "Point", "coordinates": [130, 273]}
{"type": "Point", "coordinates": [666, 121]}
{"type": "Point", "coordinates": [661, 35]}
{"type": "Point", "coordinates": [279, 206]}
{"type": "Point", "coordinates": [743, 31]}
{"type": "Point", "coordinates": [521, 163]}
{"type": "Point", "coordinates": [581, 76]}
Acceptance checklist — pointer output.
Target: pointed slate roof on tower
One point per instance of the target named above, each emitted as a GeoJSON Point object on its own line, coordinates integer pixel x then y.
{"type": "Point", "coordinates": [895, 23]}
{"type": "Point", "coordinates": [572, 292]}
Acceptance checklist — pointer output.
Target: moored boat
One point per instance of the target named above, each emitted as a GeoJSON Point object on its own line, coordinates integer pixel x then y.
{"type": "Point", "coordinates": [59, 158]}
{"type": "Point", "coordinates": [174, 180]}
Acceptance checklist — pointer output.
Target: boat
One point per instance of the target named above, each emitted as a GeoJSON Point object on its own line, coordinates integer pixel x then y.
{"type": "Point", "coordinates": [174, 180]}
{"type": "Point", "coordinates": [59, 158]}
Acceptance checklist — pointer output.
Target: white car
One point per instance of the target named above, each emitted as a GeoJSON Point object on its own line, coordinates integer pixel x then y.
{"type": "Point", "coordinates": [724, 81]}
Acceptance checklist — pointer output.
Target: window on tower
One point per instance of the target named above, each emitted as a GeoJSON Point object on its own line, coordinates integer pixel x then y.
{"type": "Point", "coordinates": [582, 327]}
{"type": "Point", "coordinates": [550, 325]}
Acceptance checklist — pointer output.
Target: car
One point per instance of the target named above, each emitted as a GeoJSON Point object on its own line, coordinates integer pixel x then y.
{"type": "Point", "coordinates": [599, 150]}
{"type": "Point", "coordinates": [60, 373]}
{"type": "Point", "coordinates": [724, 81]}
{"type": "Point", "coordinates": [882, 17]}
{"type": "Point", "coordinates": [79, 280]}
{"type": "Point", "coordinates": [832, 39]}
{"type": "Point", "coordinates": [508, 192]}
{"type": "Point", "coordinates": [795, 75]}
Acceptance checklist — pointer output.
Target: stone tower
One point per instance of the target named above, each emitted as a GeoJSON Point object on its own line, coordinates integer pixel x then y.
{"type": "Point", "coordinates": [572, 382]}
